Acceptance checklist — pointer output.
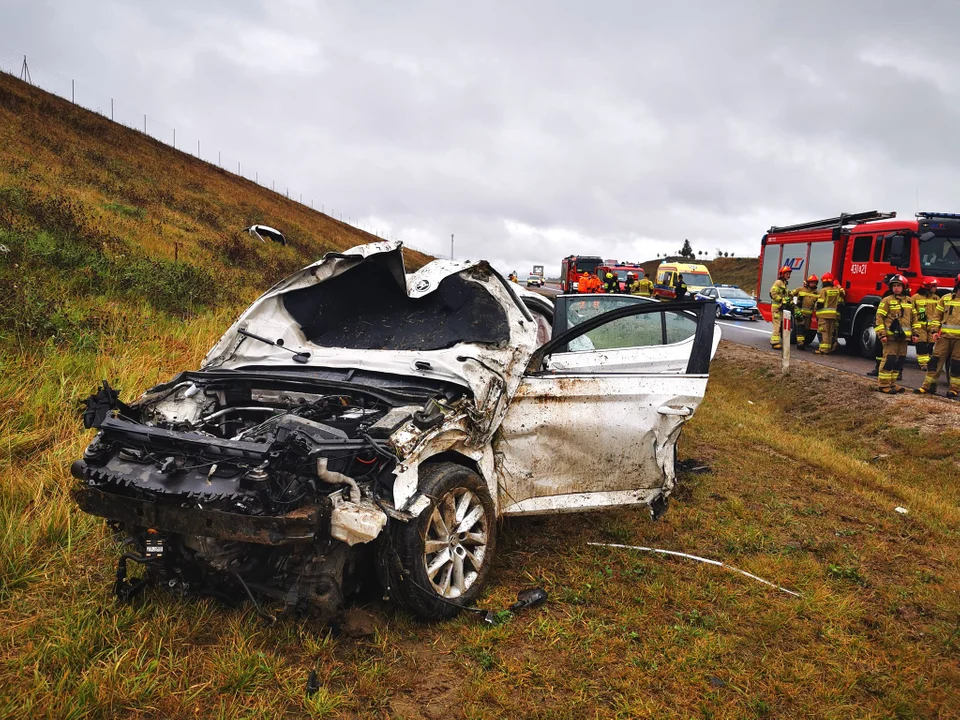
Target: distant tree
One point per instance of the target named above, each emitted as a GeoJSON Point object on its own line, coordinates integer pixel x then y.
{"type": "Point", "coordinates": [719, 252]}
{"type": "Point", "coordinates": [686, 251]}
{"type": "Point", "coordinates": [726, 254]}
{"type": "Point", "coordinates": [731, 255]}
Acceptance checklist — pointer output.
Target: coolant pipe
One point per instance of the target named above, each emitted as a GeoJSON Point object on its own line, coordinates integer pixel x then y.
{"type": "Point", "coordinates": [335, 478]}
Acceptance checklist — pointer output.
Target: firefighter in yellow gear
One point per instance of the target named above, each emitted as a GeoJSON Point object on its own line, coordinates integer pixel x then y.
{"type": "Point", "coordinates": [828, 310]}
{"type": "Point", "coordinates": [924, 303]}
{"type": "Point", "coordinates": [804, 303]}
{"type": "Point", "coordinates": [779, 296]}
{"type": "Point", "coordinates": [611, 283]}
{"type": "Point", "coordinates": [642, 287]}
{"type": "Point", "coordinates": [944, 325]}
{"type": "Point", "coordinates": [895, 328]}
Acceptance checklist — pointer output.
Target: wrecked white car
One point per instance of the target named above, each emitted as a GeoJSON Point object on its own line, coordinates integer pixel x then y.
{"type": "Point", "coordinates": [357, 419]}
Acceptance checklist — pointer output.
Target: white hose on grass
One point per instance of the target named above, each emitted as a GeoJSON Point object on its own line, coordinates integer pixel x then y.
{"type": "Point", "coordinates": [708, 561]}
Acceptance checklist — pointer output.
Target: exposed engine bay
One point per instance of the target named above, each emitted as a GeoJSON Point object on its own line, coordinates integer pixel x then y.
{"type": "Point", "coordinates": [250, 484]}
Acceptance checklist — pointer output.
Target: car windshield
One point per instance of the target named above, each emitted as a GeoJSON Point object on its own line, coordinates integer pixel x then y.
{"type": "Point", "coordinates": [697, 278]}
{"type": "Point", "coordinates": [940, 256]}
{"type": "Point", "coordinates": [733, 294]}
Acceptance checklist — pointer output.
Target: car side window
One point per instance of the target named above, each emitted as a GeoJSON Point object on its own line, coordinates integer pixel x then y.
{"type": "Point", "coordinates": [579, 311]}
{"type": "Point", "coordinates": [629, 332]}
{"type": "Point", "coordinates": [679, 326]}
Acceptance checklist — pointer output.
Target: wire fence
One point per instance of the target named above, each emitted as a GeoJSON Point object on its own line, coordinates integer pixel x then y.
{"type": "Point", "coordinates": [20, 66]}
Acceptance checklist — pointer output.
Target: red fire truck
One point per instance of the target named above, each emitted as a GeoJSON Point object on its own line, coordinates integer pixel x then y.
{"type": "Point", "coordinates": [861, 250]}
{"type": "Point", "coordinates": [573, 266]}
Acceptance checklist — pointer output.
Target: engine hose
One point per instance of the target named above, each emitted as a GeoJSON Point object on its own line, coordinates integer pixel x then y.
{"type": "Point", "coordinates": [336, 478]}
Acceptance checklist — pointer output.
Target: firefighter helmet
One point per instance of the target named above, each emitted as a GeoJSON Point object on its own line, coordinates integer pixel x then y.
{"type": "Point", "coordinates": [897, 278]}
{"type": "Point", "coordinates": [813, 279]}
{"type": "Point", "coordinates": [827, 278]}
{"type": "Point", "coordinates": [929, 283]}
{"type": "Point", "coordinates": [785, 270]}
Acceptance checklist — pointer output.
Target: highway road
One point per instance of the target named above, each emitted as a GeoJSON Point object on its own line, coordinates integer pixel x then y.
{"type": "Point", "coordinates": [757, 335]}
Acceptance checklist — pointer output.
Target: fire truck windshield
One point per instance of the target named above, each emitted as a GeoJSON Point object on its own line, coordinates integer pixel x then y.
{"type": "Point", "coordinates": [589, 266]}
{"type": "Point", "coordinates": [940, 256]}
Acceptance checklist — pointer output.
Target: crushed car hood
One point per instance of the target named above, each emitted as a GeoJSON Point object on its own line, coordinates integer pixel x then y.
{"type": "Point", "coordinates": [455, 321]}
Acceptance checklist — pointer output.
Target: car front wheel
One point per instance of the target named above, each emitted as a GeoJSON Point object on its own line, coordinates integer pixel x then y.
{"type": "Point", "coordinates": [440, 561]}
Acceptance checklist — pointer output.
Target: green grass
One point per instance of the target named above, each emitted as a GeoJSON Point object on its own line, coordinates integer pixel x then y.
{"type": "Point", "coordinates": [876, 632]}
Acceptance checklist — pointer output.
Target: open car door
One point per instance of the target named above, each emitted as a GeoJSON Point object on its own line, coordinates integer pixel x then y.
{"type": "Point", "coordinates": [601, 430]}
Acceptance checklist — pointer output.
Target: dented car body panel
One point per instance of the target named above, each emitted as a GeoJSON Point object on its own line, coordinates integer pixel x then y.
{"type": "Point", "coordinates": [353, 401]}
{"type": "Point", "coordinates": [581, 434]}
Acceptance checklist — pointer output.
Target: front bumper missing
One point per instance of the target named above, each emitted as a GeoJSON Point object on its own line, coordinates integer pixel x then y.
{"type": "Point", "coordinates": [302, 525]}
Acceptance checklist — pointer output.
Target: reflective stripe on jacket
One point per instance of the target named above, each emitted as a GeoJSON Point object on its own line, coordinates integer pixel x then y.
{"type": "Point", "coordinates": [643, 288]}
{"type": "Point", "coordinates": [946, 316]}
{"type": "Point", "coordinates": [829, 301]}
{"type": "Point", "coordinates": [894, 314]}
{"type": "Point", "coordinates": [806, 301]}
{"type": "Point", "coordinates": [924, 306]}
{"type": "Point", "coordinates": [779, 293]}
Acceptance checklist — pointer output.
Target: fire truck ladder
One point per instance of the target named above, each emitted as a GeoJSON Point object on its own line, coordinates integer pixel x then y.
{"type": "Point", "coordinates": [839, 221]}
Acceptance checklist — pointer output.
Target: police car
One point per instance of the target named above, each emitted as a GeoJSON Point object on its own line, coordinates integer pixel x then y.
{"type": "Point", "coordinates": [732, 302]}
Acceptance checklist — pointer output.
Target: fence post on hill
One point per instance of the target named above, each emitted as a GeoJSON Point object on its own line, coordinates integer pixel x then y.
{"type": "Point", "coordinates": [785, 339]}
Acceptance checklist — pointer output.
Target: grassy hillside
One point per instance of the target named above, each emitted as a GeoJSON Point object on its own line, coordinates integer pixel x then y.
{"type": "Point", "coordinates": [93, 213]}
{"type": "Point", "coordinates": [729, 271]}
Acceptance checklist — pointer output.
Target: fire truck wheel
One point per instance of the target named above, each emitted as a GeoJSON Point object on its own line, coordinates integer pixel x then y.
{"type": "Point", "coordinates": [864, 339]}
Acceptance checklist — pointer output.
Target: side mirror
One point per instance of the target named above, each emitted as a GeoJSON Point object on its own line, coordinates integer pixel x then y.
{"type": "Point", "coordinates": [898, 246]}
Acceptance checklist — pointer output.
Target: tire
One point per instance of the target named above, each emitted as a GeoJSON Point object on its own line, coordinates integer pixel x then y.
{"type": "Point", "coordinates": [719, 312]}
{"type": "Point", "coordinates": [864, 339]}
{"type": "Point", "coordinates": [409, 551]}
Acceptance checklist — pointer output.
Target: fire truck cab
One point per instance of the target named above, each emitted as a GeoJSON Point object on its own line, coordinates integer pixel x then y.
{"type": "Point", "coordinates": [861, 250]}
{"type": "Point", "coordinates": [573, 266]}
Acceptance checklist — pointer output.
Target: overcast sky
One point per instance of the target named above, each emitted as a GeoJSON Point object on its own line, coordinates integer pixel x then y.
{"type": "Point", "coordinates": [535, 129]}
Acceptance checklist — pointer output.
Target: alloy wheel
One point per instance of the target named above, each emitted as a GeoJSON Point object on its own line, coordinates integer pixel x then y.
{"type": "Point", "coordinates": [455, 543]}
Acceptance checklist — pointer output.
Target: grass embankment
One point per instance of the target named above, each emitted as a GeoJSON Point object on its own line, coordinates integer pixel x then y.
{"type": "Point", "coordinates": [93, 214]}
{"type": "Point", "coordinates": [805, 479]}
{"type": "Point", "coordinates": [726, 271]}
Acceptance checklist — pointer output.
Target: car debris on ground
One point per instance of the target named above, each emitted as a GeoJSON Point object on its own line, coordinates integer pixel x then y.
{"type": "Point", "coordinates": [708, 561]}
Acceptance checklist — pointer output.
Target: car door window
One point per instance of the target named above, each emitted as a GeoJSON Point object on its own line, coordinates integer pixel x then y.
{"type": "Point", "coordinates": [643, 336]}
{"type": "Point", "coordinates": [581, 310]}
{"type": "Point", "coordinates": [644, 329]}
{"type": "Point", "coordinates": [634, 331]}
{"type": "Point", "coordinates": [679, 326]}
